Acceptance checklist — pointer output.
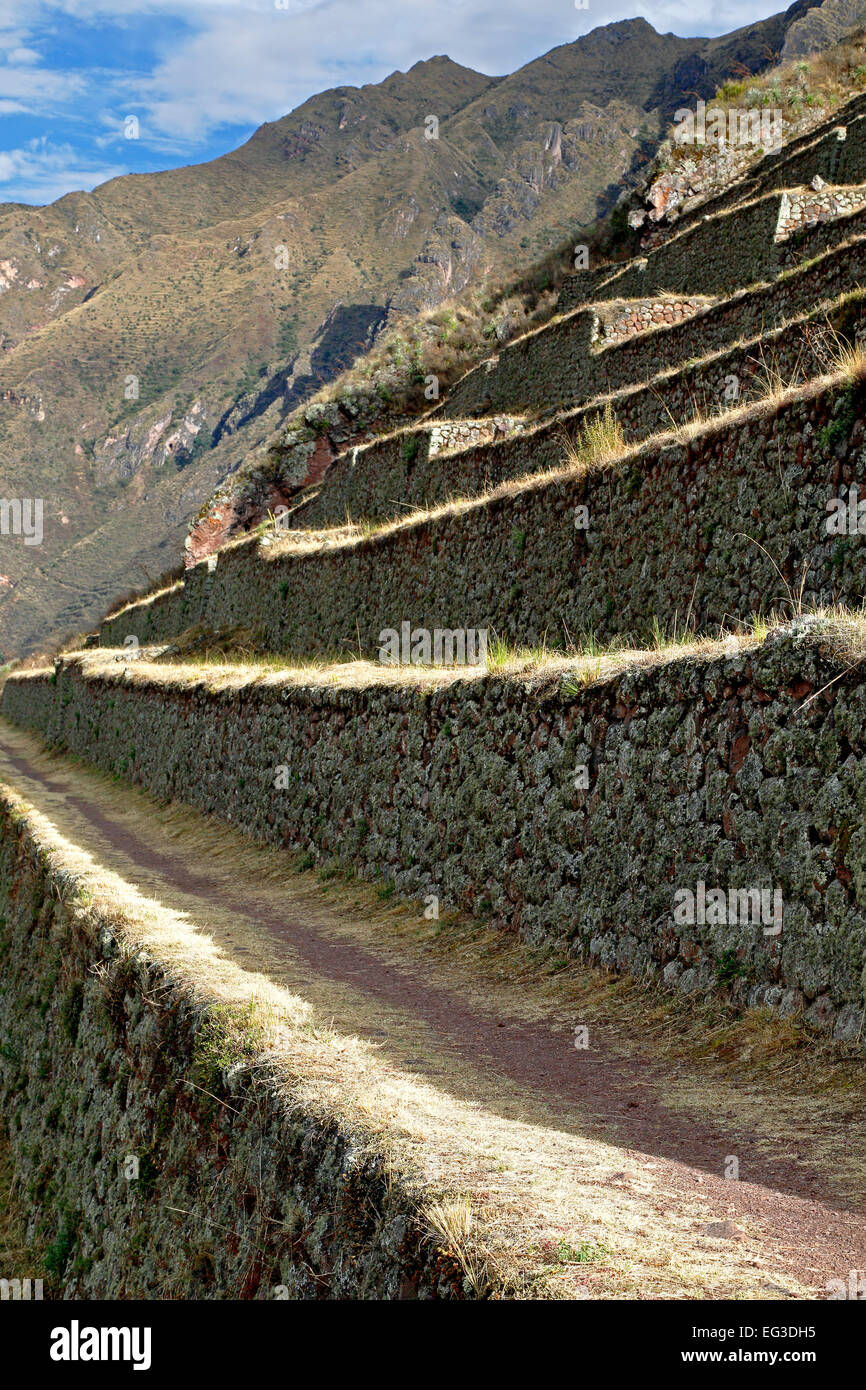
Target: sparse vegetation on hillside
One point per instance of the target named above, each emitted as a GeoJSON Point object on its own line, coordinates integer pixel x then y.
{"type": "Point", "coordinates": [805, 91]}
{"type": "Point", "coordinates": [818, 83]}
{"type": "Point", "coordinates": [237, 295]}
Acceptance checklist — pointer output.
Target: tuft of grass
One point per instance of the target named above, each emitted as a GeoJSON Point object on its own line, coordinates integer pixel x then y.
{"type": "Point", "coordinates": [450, 1222]}
{"type": "Point", "coordinates": [499, 653]}
{"type": "Point", "coordinates": [772, 382]}
{"type": "Point", "coordinates": [576, 682]}
{"type": "Point", "coordinates": [847, 358]}
{"type": "Point", "coordinates": [793, 595]}
{"type": "Point", "coordinates": [229, 1033]}
{"type": "Point", "coordinates": [598, 441]}
{"type": "Point", "coordinates": [678, 636]}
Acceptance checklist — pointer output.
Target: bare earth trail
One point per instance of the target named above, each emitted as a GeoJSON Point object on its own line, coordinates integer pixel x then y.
{"type": "Point", "coordinates": [666, 1125]}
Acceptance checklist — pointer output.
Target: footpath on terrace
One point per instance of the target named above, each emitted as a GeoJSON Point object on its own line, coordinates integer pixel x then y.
{"type": "Point", "coordinates": [597, 1172]}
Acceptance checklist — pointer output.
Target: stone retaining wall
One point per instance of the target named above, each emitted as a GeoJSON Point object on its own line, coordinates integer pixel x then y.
{"type": "Point", "coordinates": [672, 532]}
{"type": "Point", "coordinates": [719, 253]}
{"type": "Point", "coordinates": [625, 320]}
{"type": "Point", "coordinates": [824, 151]}
{"type": "Point", "coordinates": [557, 367]}
{"type": "Point", "coordinates": [809, 208]}
{"type": "Point", "coordinates": [714, 256]}
{"type": "Point", "coordinates": [834, 158]}
{"type": "Point", "coordinates": [245, 1188]}
{"type": "Point", "coordinates": [383, 478]}
{"type": "Point", "coordinates": [382, 491]}
{"type": "Point", "coordinates": [581, 818]}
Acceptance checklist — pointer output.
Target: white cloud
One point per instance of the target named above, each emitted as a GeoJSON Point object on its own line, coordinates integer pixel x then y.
{"type": "Point", "coordinates": [42, 172]}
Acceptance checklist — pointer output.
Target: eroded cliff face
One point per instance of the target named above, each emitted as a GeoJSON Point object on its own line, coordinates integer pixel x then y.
{"type": "Point", "coordinates": [277, 472]}
{"type": "Point", "coordinates": [117, 458]}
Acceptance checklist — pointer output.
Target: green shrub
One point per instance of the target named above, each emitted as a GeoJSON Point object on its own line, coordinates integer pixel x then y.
{"type": "Point", "coordinates": [729, 967]}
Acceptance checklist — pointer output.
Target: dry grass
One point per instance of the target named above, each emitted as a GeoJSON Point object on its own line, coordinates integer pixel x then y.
{"type": "Point", "coordinates": [228, 670]}
{"type": "Point", "coordinates": [141, 601]}
{"type": "Point", "coordinates": [598, 441]}
{"type": "Point", "coordinates": [452, 1224]}
{"type": "Point", "coordinates": [838, 354]}
{"type": "Point", "coordinates": [531, 1185]}
{"type": "Point", "coordinates": [772, 381]}
{"type": "Point", "coordinates": [805, 89]}
{"type": "Point", "coordinates": [583, 662]}
{"type": "Point", "coordinates": [777, 389]}
{"type": "Point", "coordinates": [605, 450]}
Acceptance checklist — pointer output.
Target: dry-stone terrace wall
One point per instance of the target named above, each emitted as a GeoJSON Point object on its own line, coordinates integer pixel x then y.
{"type": "Point", "coordinates": [718, 255]}
{"type": "Point", "coordinates": [383, 478]}
{"type": "Point", "coordinates": [834, 152]}
{"type": "Point", "coordinates": [557, 366]}
{"type": "Point", "coordinates": [808, 208]}
{"type": "Point", "coordinates": [580, 819]}
{"type": "Point", "coordinates": [379, 483]}
{"type": "Point", "coordinates": [735, 248]}
{"type": "Point", "coordinates": [673, 531]}
{"type": "Point", "coordinates": [242, 1192]}
{"type": "Point", "coordinates": [624, 320]}
{"type": "Point", "coordinates": [712, 257]}
{"type": "Point", "coordinates": [447, 435]}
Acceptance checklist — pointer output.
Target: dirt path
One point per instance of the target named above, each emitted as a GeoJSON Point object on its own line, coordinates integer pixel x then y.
{"type": "Point", "coordinates": [505, 1046]}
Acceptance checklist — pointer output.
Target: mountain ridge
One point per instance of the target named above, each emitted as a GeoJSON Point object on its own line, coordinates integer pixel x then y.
{"type": "Point", "coordinates": [137, 320]}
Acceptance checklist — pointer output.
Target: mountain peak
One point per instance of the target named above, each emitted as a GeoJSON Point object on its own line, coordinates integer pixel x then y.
{"type": "Point", "coordinates": [221, 279]}
{"type": "Point", "coordinates": [438, 59]}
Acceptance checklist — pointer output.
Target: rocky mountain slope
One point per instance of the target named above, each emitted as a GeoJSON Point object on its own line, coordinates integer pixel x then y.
{"type": "Point", "coordinates": [822, 26]}
{"type": "Point", "coordinates": [155, 333]}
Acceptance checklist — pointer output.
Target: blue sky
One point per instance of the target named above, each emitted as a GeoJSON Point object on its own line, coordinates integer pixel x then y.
{"type": "Point", "coordinates": [200, 75]}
